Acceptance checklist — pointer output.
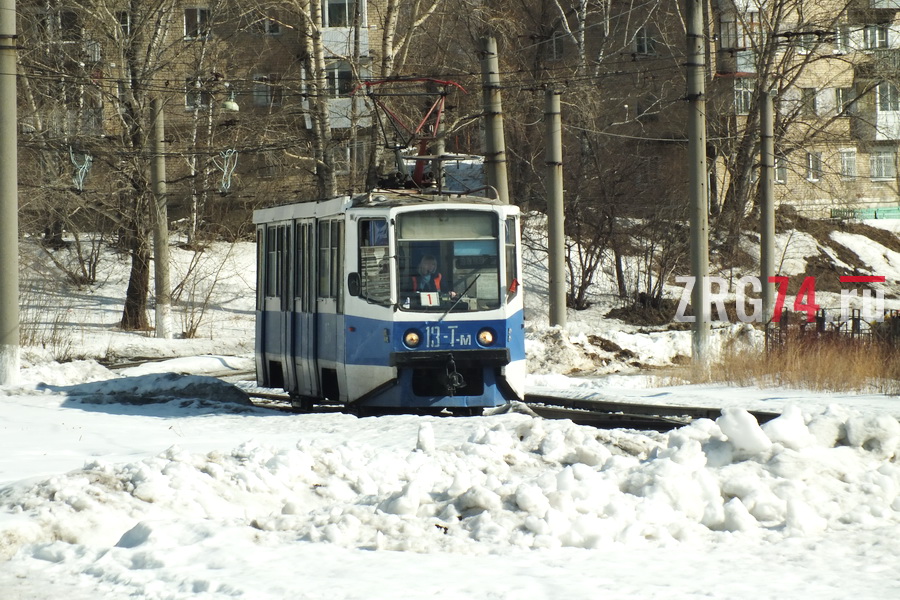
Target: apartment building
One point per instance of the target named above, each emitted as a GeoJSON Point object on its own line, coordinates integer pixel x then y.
{"type": "Point", "coordinates": [832, 67]}
{"type": "Point", "coordinates": [233, 79]}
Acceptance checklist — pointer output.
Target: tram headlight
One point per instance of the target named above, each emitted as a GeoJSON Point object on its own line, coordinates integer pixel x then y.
{"type": "Point", "coordinates": [486, 337]}
{"type": "Point", "coordinates": [412, 338]}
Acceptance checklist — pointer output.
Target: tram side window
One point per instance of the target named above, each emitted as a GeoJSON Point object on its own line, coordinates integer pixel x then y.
{"type": "Point", "coordinates": [274, 264]}
{"type": "Point", "coordinates": [374, 261]}
{"type": "Point", "coordinates": [324, 259]}
{"type": "Point", "coordinates": [512, 268]}
{"type": "Point", "coordinates": [304, 261]}
{"type": "Point", "coordinates": [330, 259]}
{"type": "Point", "coordinates": [337, 260]}
{"type": "Point", "coordinates": [260, 266]}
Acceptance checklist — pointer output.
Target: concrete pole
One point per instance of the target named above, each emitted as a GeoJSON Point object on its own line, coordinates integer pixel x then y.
{"type": "Point", "coordinates": [767, 203]}
{"type": "Point", "coordinates": [160, 224]}
{"type": "Point", "coordinates": [495, 147]}
{"type": "Point", "coordinates": [696, 94]}
{"type": "Point", "coordinates": [555, 212]}
{"type": "Point", "coordinates": [9, 200]}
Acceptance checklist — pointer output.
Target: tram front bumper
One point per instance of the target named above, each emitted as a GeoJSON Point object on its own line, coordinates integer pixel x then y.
{"type": "Point", "coordinates": [490, 357]}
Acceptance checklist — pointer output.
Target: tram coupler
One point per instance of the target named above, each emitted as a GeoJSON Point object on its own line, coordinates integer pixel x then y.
{"type": "Point", "coordinates": [455, 380]}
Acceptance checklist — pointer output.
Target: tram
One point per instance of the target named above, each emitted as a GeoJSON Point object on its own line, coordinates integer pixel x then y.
{"type": "Point", "coordinates": [397, 299]}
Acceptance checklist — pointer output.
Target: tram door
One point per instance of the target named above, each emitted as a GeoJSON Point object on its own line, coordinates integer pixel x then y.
{"type": "Point", "coordinates": [330, 308]}
{"type": "Point", "coordinates": [303, 327]}
{"type": "Point", "coordinates": [272, 327]}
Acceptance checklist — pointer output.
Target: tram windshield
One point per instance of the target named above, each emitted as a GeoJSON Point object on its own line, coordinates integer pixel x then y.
{"type": "Point", "coordinates": [448, 260]}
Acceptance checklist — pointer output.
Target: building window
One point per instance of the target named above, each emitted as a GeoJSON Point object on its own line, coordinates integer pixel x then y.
{"type": "Point", "coordinates": [340, 160]}
{"type": "Point", "coordinates": [267, 90]}
{"type": "Point", "coordinates": [780, 169]}
{"type": "Point", "coordinates": [888, 97]}
{"type": "Point", "coordinates": [807, 42]}
{"type": "Point", "coordinates": [875, 36]}
{"type": "Point", "coordinates": [845, 101]}
{"type": "Point", "coordinates": [644, 42]}
{"type": "Point", "coordinates": [745, 61]}
{"type": "Point", "coordinates": [740, 32]}
{"type": "Point", "coordinates": [808, 106]}
{"type": "Point", "coordinates": [64, 26]}
{"type": "Point", "coordinates": [743, 95]}
{"type": "Point", "coordinates": [647, 108]}
{"type": "Point", "coordinates": [266, 26]}
{"type": "Point", "coordinates": [813, 166]}
{"type": "Point", "coordinates": [340, 79]}
{"type": "Point", "coordinates": [267, 164]}
{"type": "Point", "coordinates": [556, 46]}
{"type": "Point", "coordinates": [848, 163]}
{"type": "Point", "coordinates": [194, 95]}
{"type": "Point", "coordinates": [124, 18]}
{"type": "Point", "coordinates": [883, 164]}
{"type": "Point", "coordinates": [728, 33]}
{"type": "Point", "coordinates": [842, 40]}
{"type": "Point", "coordinates": [196, 23]}
{"type": "Point", "coordinates": [339, 13]}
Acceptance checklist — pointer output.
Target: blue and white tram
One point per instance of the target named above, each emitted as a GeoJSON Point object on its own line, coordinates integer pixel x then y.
{"type": "Point", "coordinates": [339, 316]}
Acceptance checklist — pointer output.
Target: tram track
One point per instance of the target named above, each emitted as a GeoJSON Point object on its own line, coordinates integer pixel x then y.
{"type": "Point", "coordinates": [600, 413]}
{"type": "Point", "coordinates": [682, 415]}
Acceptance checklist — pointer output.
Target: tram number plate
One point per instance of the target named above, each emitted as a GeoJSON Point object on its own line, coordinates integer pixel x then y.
{"type": "Point", "coordinates": [446, 336]}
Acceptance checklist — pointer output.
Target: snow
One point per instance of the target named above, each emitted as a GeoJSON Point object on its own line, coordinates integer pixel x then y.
{"type": "Point", "coordinates": [160, 481]}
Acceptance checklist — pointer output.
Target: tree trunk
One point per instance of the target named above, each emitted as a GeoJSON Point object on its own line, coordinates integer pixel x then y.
{"type": "Point", "coordinates": [134, 317]}
{"type": "Point", "coordinates": [620, 274]}
{"type": "Point", "coordinates": [321, 122]}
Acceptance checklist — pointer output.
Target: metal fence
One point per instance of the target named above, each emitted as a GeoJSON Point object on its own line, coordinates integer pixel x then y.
{"type": "Point", "coordinates": [889, 212]}
{"type": "Point", "coordinates": [797, 327]}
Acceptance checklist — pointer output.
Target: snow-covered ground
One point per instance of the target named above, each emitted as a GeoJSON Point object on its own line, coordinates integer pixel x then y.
{"type": "Point", "coordinates": [144, 483]}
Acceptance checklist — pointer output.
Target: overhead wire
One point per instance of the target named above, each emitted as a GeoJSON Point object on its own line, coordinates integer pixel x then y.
{"type": "Point", "coordinates": [523, 79]}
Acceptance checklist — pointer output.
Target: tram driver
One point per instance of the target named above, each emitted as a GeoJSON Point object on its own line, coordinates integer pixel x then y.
{"type": "Point", "coordinates": [427, 278]}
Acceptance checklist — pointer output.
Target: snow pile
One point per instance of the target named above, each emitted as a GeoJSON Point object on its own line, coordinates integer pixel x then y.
{"type": "Point", "coordinates": [515, 481]}
{"type": "Point", "coordinates": [89, 382]}
{"type": "Point", "coordinates": [548, 349]}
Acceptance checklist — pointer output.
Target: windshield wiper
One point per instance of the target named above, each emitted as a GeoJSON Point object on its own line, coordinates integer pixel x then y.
{"type": "Point", "coordinates": [452, 306]}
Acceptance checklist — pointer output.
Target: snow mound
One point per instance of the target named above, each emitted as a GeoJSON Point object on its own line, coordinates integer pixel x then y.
{"type": "Point", "coordinates": [516, 481]}
{"type": "Point", "coordinates": [548, 349]}
{"type": "Point", "coordinates": [159, 387]}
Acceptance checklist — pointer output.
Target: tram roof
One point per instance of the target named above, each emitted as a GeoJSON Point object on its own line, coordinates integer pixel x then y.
{"type": "Point", "coordinates": [373, 199]}
{"type": "Point", "coordinates": [407, 197]}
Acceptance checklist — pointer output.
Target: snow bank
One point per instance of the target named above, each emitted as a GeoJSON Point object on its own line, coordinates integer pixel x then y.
{"type": "Point", "coordinates": [515, 482]}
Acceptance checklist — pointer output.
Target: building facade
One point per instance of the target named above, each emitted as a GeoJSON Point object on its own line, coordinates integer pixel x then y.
{"type": "Point", "coordinates": [241, 86]}
{"type": "Point", "coordinates": [831, 66]}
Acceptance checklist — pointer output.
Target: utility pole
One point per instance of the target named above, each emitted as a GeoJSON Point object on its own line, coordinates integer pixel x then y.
{"type": "Point", "coordinates": [160, 224]}
{"type": "Point", "coordinates": [696, 95]}
{"type": "Point", "coordinates": [495, 147]}
{"type": "Point", "coordinates": [767, 202]}
{"type": "Point", "coordinates": [555, 212]}
{"type": "Point", "coordinates": [9, 200]}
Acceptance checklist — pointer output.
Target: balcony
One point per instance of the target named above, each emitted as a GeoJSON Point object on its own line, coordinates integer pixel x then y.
{"type": "Point", "coordinates": [736, 61]}
{"type": "Point", "coordinates": [80, 51]}
{"type": "Point", "coordinates": [869, 10]}
{"type": "Point", "coordinates": [870, 124]}
{"type": "Point", "coordinates": [881, 63]}
{"type": "Point", "coordinates": [340, 112]}
{"type": "Point", "coordinates": [877, 127]}
{"type": "Point", "coordinates": [338, 41]}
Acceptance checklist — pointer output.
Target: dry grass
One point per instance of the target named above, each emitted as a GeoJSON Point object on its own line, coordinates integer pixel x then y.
{"type": "Point", "coordinates": [44, 322]}
{"type": "Point", "coordinates": [832, 366]}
